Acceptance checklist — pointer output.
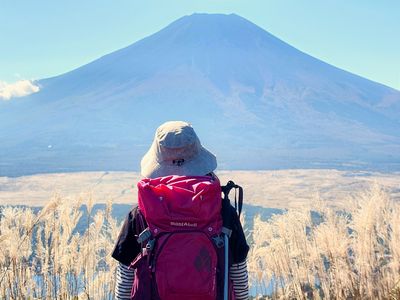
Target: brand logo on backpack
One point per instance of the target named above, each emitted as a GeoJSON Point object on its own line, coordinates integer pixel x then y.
{"type": "Point", "coordinates": [183, 224]}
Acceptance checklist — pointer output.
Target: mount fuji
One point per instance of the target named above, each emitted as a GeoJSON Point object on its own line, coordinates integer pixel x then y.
{"type": "Point", "coordinates": [255, 101]}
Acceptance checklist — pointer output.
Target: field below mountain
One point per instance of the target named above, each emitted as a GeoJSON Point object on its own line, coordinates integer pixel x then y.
{"type": "Point", "coordinates": [272, 189]}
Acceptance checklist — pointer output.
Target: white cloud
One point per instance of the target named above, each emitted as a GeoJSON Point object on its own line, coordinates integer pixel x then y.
{"type": "Point", "coordinates": [17, 89]}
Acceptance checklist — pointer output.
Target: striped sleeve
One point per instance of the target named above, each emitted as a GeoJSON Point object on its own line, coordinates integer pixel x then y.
{"type": "Point", "coordinates": [239, 276]}
{"type": "Point", "coordinates": [124, 281]}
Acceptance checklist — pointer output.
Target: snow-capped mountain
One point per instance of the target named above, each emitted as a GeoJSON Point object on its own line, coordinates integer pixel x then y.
{"type": "Point", "coordinates": [255, 101]}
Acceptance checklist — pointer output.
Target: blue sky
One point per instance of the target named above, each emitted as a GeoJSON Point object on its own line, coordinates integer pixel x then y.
{"type": "Point", "coordinates": [45, 38]}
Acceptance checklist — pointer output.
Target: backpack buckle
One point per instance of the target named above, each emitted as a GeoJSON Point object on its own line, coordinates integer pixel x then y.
{"type": "Point", "coordinates": [144, 235]}
{"type": "Point", "coordinates": [150, 245]}
{"type": "Point", "coordinates": [218, 241]}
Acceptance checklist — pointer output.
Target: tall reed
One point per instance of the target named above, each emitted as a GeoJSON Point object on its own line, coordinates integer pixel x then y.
{"type": "Point", "coordinates": [43, 256]}
{"type": "Point", "coordinates": [318, 253]}
{"type": "Point", "coordinates": [322, 253]}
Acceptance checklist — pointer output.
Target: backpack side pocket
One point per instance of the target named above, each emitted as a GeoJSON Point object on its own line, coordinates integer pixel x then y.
{"type": "Point", "coordinates": [142, 286]}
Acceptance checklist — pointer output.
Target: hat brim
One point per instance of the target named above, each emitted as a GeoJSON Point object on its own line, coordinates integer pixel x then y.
{"type": "Point", "coordinates": [202, 164]}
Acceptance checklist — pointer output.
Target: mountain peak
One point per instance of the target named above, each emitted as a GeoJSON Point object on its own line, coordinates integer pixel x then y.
{"type": "Point", "coordinates": [212, 17]}
{"type": "Point", "coordinates": [229, 25]}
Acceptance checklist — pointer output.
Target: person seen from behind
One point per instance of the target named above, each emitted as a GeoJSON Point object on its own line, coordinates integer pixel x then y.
{"type": "Point", "coordinates": [181, 241]}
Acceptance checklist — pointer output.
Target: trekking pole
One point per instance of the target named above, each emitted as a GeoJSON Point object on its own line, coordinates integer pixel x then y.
{"type": "Point", "coordinates": [226, 271]}
{"type": "Point", "coordinates": [227, 233]}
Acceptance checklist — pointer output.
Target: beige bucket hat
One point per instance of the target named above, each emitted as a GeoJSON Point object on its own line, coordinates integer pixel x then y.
{"type": "Point", "coordinates": [176, 150]}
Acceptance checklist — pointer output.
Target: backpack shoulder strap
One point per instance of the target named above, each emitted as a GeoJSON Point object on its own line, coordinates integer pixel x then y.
{"type": "Point", "coordinates": [140, 220]}
{"type": "Point", "coordinates": [238, 195]}
{"type": "Point", "coordinates": [228, 216]}
{"type": "Point", "coordinates": [142, 232]}
{"type": "Point", "coordinates": [227, 209]}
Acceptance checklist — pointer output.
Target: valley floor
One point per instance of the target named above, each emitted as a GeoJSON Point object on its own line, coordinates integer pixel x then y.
{"type": "Point", "coordinates": [273, 189]}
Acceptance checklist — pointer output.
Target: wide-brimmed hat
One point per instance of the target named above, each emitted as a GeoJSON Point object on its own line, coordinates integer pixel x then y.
{"type": "Point", "coordinates": [176, 150]}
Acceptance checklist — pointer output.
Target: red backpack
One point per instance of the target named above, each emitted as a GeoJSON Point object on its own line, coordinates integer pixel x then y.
{"type": "Point", "coordinates": [185, 245]}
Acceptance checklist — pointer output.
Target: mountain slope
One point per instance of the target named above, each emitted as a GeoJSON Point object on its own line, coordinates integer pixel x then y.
{"type": "Point", "coordinates": [255, 101]}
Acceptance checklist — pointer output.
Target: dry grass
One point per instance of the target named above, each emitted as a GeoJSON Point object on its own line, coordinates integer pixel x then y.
{"type": "Point", "coordinates": [43, 257]}
{"type": "Point", "coordinates": [303, 254]}
{"type": "Point", "coordinates": [328, 254]}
